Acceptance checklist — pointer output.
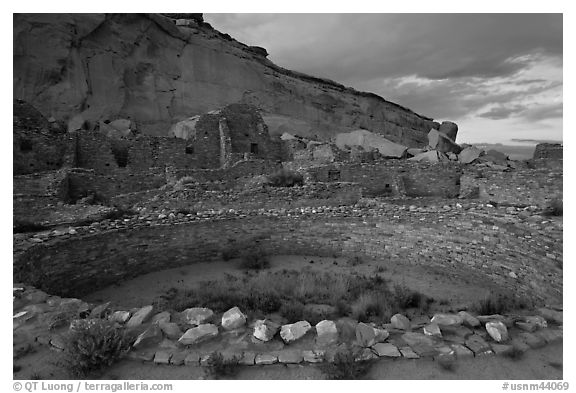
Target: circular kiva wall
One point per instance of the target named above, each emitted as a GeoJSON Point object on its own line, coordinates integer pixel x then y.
{"type": "Point", "coordinates": [78, 266]}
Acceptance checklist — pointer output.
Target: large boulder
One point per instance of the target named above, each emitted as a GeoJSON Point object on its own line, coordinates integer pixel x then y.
{"type": "Point", "coordinates": [152, 335]}
{"type": "Point", "coordinates": [265, 329]}
{"type": "Point", "coordinates": [468, 319]}
{"type": "Point", "coordinates": [197, 315]}
{"type": "Point", "coordinates": [449, 129]}
{"type": "Point", "coordinates": [447, 319]}
{"type": "Point", "coordinates": [368, 141]}
{"type": "Point", "coordinates": [326, 333]}
{"type": "Point", "coordinates": [233, 319]}
{"type": "Point", "coordinates": [170, 329]}
{"type": "Point", "coordinates": [469, 154]}
{"type": "Point", "coordinates": [421, 344]}
{"type": "Point", "coordinates": [294, 331]}
{"type": "Point", "coordinates": [118, 128]}
{"type": "Point", "coordinates": [199, 334]}
{"type": "Point", "coordinates": [140, 316]}
{"type": "Point", "coordinates": [497, 330]}
{"type": "Point", "coordinates": [400, 322]}
{"type": "Point", "coordinates": [495, 156]}
{"type": "Point", "coordinates": [432, 156]}
{"type": "Point", "coordinates": [185, 129]}
{"type": "Point", "coordinates": [365, 335]}
{"type": "Point", "coordinates": [441, 142]}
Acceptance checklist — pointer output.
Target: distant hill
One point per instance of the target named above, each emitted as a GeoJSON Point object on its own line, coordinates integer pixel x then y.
{"type": "Point", "coordinates": [515, 152]}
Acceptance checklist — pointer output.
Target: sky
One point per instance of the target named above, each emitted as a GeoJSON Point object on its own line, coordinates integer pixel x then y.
{"type": "Point", "coordinates": [498, 76]}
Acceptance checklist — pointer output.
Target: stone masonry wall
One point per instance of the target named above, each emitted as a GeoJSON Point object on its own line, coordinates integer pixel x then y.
{"type": "Point", "coordinates": [550, 151]}
{"type": "Point", "coordinates": [86, 263]}
{"type": "Point", "coordinates": [518, 187]}
{"type": "Point", "coordinates": [401, 177]}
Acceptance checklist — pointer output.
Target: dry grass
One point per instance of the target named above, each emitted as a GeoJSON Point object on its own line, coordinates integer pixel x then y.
{"type": "Point", "coordinates": [499, 304]}
{"type": "Point", "coordinates": [287, 291]}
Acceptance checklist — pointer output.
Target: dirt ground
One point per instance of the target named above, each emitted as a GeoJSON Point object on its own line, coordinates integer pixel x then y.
{"type": "Point", "coordinates": [447, 288]}
{"type": "Point", "coordinates": [540, 364]}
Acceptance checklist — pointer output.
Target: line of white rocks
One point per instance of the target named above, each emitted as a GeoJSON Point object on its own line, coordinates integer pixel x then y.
{"type": "Point", "coordinates": [161, 340]}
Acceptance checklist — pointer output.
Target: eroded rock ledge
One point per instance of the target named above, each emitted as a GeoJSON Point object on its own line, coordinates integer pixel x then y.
{"type": "Point", "coordinates": [149, 69]}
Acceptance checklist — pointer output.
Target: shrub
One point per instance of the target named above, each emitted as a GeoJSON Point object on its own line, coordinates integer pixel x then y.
{"type": "Point", "coordinates": [447, 362]}
{"type": "Point", "coordinates": [354, 261]}
{"type": "Point", "coordinates": [254, 260]}
{"type": "Point", "coordinates": [293, 311]}
{"type": "Point", "coordinates": [230, 252]}
{"type": "Point", "coordinates": [346, 367]}
{"type": "Point", "coordinates": [407, 298]}
{"type": "Point", "coordinates": [371, 306]}
{"type": "Point", "coordinates": [92, 345]}
{"type": "Point", "coordinates": [119, 212]}
{"type": "Point", "coordinates": [285, 178]}
{"type": "Point", "coordinates": [514, 353]}
{"type": "Point", "coordinates": [554, 208]}
{"type": "Point", "coordinates": [287, 291]}
{"type": "Point", "coordinates": [23, 226]}
{"type": "Point", "coordinates": [498, 304]}
{"type": "Point", "coordinates": [220, 368]}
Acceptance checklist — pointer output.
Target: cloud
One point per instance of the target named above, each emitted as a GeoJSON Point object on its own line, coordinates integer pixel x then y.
{"type": "Point", "coordinates": [497, 74]}
{"type": "Point", "coordinates": [502, 112]}
{"type": "Point", "coordinates": [349, 47]}
{"type": "Point", "coordinates": [543, 112]}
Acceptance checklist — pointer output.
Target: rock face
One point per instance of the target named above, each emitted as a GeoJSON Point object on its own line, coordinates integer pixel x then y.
{"type": "Point", "coordinates": [156, 71]}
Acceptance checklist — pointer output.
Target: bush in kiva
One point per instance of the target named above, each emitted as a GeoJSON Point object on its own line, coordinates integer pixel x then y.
{"type": "Point", "coordinates": [285, 178]}
{"type": "Point", "coordinates": [345, 366]}
{"type": "Point", "coordinates": [93, 344]}
{"type": "Point", "coordinates": [254, 259]}
{"type": "Point", "coordinates": [219, 367]}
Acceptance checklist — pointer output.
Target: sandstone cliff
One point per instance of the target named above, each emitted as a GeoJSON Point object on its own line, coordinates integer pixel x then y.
{"type": "Point", "coordinates": [156, 71]}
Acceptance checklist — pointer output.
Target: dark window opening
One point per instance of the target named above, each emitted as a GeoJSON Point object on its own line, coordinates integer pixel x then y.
{"type": "Point", "coordinates": [254, 148]}
{"type": "Point", "coordinates": [387, 186]}
{"type": "Point", "coordinates": [25, 145]}
{"type": "Point", "coordinates": [120, 153]}
{"type": "Point", "coordinates": [333, 175]}
{"type": "Point", "coordinates": [189, 149]}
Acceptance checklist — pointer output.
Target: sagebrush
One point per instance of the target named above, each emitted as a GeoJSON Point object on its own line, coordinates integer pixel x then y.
{"type": "Point", "coordinates": [92, 345]}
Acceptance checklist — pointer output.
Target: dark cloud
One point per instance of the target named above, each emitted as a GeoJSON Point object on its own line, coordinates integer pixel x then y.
{"type": "Point", "coordinates": [543, 112]}
{"type": "Point", "coordinates": [353, 47]}
{"type": "Point", "coordinates": [502, 112]}
{"type": "Point", "coordinates": [472, 68]}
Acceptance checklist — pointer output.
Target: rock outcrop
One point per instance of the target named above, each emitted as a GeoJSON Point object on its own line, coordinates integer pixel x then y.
{"type": "Point", "coordinates": [154, 71]}
{"type": "Point", "coordinates": [548, 151]}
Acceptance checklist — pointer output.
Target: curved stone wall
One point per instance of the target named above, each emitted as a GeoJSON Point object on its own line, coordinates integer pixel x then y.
{"type": "Point", "coordinates": [464, 246]}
